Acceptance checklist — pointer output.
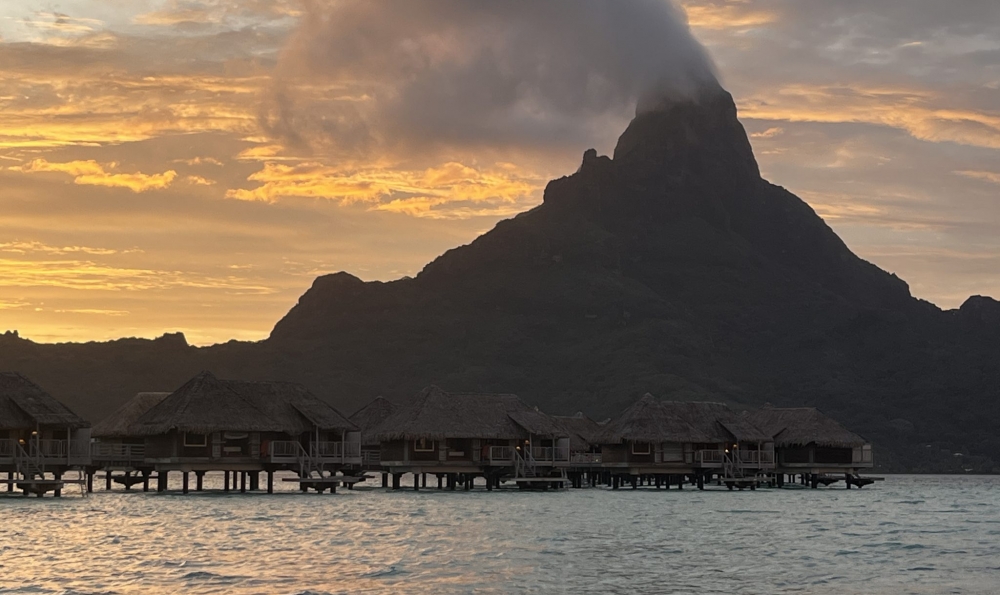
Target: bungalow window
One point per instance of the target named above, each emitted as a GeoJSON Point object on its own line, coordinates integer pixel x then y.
{"type": "Point", "coordinates": [195, 440]}
{"type": "Point", "coordinates": [640, 448]}
{"type": "Point", "coordinates": [423, 445]}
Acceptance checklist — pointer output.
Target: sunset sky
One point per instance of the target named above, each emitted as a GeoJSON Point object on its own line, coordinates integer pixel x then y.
{"type": "Point", "coordinates": [192, 165]}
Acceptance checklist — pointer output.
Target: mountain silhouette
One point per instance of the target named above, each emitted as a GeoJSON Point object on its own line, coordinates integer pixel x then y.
{"type": "Point", "coordinates": [670, 267]}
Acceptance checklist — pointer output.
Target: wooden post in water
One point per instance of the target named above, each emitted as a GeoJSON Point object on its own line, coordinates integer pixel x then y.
{"type": "Point", "coordinates": [270, 482]}
{"type": "Point", "coordinates": [145, 481]}
{"type": "Point", "coordinates": [701, 481]}
{"type": "Point", "coordinates": [162, 477]}
{"type": "Point", "coordinates": [199, 481]}
{"type": "Point", "coordinates": [416, 482]}
{"type": "Point", "coordinates": [385, 480]}
{"type": "Point", "coordinates": [423, 480]}
{"type": "Point", "coordinates": [58, 491]}
{"type": "Point", "coordinates": [395, 480]}
{"type": "Point", "coordinates": [225, 482]}
{"type": "Point", "coordinates": [243, 482]}
{"type": "Point", "coordinates": [90, 482]}
{"type": "Point", "coordinates": [107, 481]}
{"type": "Point", "coordinates": [184, 483]}
{"type": "Point", "coordinates": [847, 480]}
{"type": "Point", "coordinates": [440, 481]}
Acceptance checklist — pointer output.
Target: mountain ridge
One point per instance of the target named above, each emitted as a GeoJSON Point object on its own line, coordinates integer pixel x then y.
{"type": "Point", "coordinates": [669, 267]}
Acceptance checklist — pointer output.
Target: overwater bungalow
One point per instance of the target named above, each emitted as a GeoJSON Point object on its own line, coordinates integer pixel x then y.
{"type": "Point", "coordinates": [647, 441]}
{"type": "Point", "coordinates": [458, 437]}
{"type": "Point", "coordinates": [814, 446]}
{"type": "Point", "coordinates": [663, 441]}
{"type": "Point", "coordinates": [736, 448]}
{"type": "Point", "coordinates": [247, 427]}
{"type": "Point", "coordinates": [368, 419]}
{"type": "Point", "coordinates": [40, 438]}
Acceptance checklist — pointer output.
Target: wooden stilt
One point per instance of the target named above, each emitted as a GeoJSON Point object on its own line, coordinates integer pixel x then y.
{"type": "Point", "coordinates": [199, 480]}
{"type": "Point", "coordinates": [184, 483]}
{"type": "Point", "coordinates": [440, 480]}
{"type": "Point", "coordinates": [145, 481]}
{"type": "Point", "coordinates": [128, 484]}
{"type": "Point", "coordinates": [107, 481]}
{"type": "Point", "coordinates": [243, 482]}
{"type": "Point", "coordinates": [416, 482]}
{"type": "Point", "coordinates": [162, 477]}
{"type": "Point", "coordinates": [225, 482]}
{"type": "Point", "coordinates": [58, 491]}
{"type": "Point", "coordinates": [385, 480]}
{"type": "Point", "coordinates": [423, 480]}
{"type": "Point", "coordinates": [270, 482]}
{"type": "Point", "coordinates": [395, 480]}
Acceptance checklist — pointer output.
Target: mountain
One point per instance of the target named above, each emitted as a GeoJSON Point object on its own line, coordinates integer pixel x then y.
{"type": "Point", "coordinates": [671, 267]}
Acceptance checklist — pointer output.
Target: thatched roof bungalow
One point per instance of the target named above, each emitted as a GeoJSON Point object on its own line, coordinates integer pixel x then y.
{"type": "Point", "coordinates": [806, 439]}
{"type": "Point", "coordinates": [653, 434]}
{"type": "Point", "coordinates": [115, 445]}
{"type": "Point", "coordinates": [34, 422]}
{"type": "Point", "coordinates": [442, 431]}
{"type": "Point", "coordinates": [209, 420]}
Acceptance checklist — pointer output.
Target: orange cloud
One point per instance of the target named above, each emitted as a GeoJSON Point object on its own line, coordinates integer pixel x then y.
{"type": "Point", "coordinates": [92, 173]}
{"type": "Point", "coordinates": [424, 193]}
{"type": "Point", "coordinates": [729, 15]}
{"type": "Point", "coordinates": [915, 112]}
{"type": "Point", "coordinates": [987, 176]}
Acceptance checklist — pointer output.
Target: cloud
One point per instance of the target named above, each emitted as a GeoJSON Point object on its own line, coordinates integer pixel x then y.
{"type": "Point", "coordinates": [769, 133]}
{"type": "Point", "coordinates": [199, 181]}
{"type": "Point", "coordinates": [89, 275]}
{"type": "Point", "coordinates": [987, 176]}
{"type": "Point", "coordinates": [737, 14]}
{"type": "Point", "coordinates": [390, 78]}
{"type": "Point", "coordinates": [445, 191]}
{"type": "Point", "coordinates": [92, 173]}
{"type": "Point", "coordinates": [17, 247]}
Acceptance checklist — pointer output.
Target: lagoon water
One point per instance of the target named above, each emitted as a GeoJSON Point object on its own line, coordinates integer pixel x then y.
{"type": "Point", "coordinates": [908, 534]}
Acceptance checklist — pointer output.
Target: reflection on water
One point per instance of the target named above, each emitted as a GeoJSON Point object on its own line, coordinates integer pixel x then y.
{"type": "Point", "coordinates": [906, 535]}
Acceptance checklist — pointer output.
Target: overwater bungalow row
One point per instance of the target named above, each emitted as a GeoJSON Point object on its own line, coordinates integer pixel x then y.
{"type": "Point", "coordinates": [240, 427]}
{"type": "Point", "coordinates": [458, 437]}
{"type": "Point", "coordinates": [40, 438]}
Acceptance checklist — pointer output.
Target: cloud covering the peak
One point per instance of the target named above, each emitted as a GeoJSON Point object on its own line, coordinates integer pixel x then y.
{"type": "Point", "coordinates": [360, 76]}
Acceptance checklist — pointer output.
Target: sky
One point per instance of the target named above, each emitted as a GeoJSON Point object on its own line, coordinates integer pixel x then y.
{"type": "Point", "coordinates": [193, 165]}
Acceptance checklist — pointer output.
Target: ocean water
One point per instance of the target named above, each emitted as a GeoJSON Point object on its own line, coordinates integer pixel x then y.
{"type": "Point", "coordinates": [908, 534]}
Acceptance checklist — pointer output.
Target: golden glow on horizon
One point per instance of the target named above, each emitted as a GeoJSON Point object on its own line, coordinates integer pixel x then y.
{"type": "Point", "coordinates": [184, 204]}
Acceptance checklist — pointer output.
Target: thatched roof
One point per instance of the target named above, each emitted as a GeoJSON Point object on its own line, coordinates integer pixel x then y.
{"type": "Point", "coordinates": [24, 405]}
{"type": "Point", "coordinates": [648, 420]}
{"type": "Point", "coordinates": [717, 421]}
{"type": "Point", "coordinates": [437, 415]}
{"type": "Point", "coordinates": [370, 417]}
{"type": "Point", "coordinates": [804, 425]}
{"type": "Point", "coordinates": [117, 424]}
{"type": "Point", "coordinates": [583, 431]}
{"type": "Point", "coordinates": [207, 404]}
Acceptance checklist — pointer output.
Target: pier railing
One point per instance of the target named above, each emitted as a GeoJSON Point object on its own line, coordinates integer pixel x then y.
{"type": "Point", "coordinates": [371, 457]}
{"type": "Point", "coordinates": [337, 450]}
{"type": "Point", "coordinates": [757, 458]}
{"type": "Point", "coordinates": [709, 458]}
{"type": "Point", "coordinates": [110, 452]}
{"type": "Point", "coordinates": [501, 454]}
{"type": "Point", "coordinates": [550, 454]}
